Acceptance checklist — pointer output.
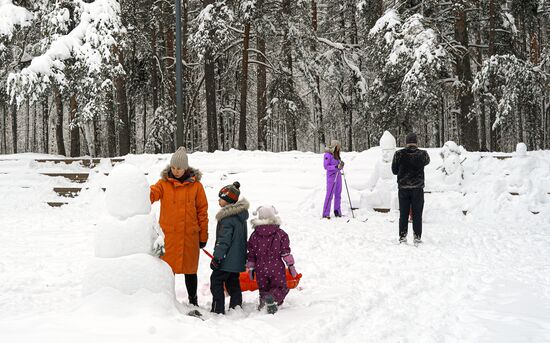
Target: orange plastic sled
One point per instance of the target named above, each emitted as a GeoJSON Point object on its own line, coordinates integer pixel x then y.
{"type": "Point", "coordinates": [252, 285]}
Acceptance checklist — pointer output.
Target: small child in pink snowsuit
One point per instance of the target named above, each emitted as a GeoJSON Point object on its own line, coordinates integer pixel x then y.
{"type": "Point", "coordinates": [268, 247]}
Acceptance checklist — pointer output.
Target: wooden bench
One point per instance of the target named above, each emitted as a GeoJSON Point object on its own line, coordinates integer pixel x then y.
{"type": "Point", "coordinates": [69, 192]}
{"type": "Point", "coordinates": [86, 162]}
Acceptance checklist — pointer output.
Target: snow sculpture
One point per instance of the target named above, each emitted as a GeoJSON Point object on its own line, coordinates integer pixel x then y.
{"type": "Point", "coordinates": [127, 240]}
{"type": "Point", "coordinates": [523, 173]}
{"type": "Point", "coordinates": [520, 168]}
{"type": "Point", "coordinates": [382, 185]}
{"type": "Point", "coordinates": [451, 166]}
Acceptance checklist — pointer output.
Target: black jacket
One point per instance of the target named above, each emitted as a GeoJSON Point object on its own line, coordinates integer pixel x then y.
{"type": "Point", "coordinates": [408, 164]}
{"type": "Point", "coordinates": [231, 236]}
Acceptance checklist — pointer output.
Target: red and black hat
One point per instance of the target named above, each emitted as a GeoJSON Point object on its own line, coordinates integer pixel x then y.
{"type": "Point", "coordinates": [230, 193]}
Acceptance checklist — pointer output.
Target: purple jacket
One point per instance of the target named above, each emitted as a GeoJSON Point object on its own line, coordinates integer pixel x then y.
{"type": "Point", "coordinates": [268, 243]}
{"type": "Point", "coordinates": [330, 164]}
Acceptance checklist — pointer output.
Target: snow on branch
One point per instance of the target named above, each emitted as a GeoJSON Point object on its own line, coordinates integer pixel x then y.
{"type": "Point", "coordinates": [337, 46]}
{"type": "Point", "coordinates": [89, 44]}
{"type": "Point", "coordinates": [12, 16]}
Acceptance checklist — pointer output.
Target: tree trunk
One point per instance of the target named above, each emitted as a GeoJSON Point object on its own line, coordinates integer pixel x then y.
{"type": "Point", "coordinates": [261, 94]}
{"type": "Point", "coordinates": [110, 122]}
{"type": "Point", "coordinates": [290, 119]}
{"type": "Point", "coordinates": [171, 76]}
{"type": "Point", "coordinates": [468, 128]}
{"type": "Point", "coordinates": [132, 123]}
{"type": "Point", "coordinates": [14, 127]}
{"type": "Point", "coordinates": [122, 109]}
{"type": "Point", "coordinates": [28, 141]}
{"type": "Point", "coordinates": [244, 88]}
{"type": "Point", "coordinates": [74, 130]}
{"type": "Point", "coordinates": [59, 123]}
{"type": "Point", "coordinates": [480, 104]}
{"type": "Point", "coordinates": [3, 140]}
{"type": "Point", "coordinates": [45, 126]}
{"type": "Point", "coordinates": [318, 104]}
{"type": "Point", "coordinates": [210, 86]}
{"type": "Point", "coordinates": [493, 133]}
{"type": "Point", "coordinates": [144, 123]}
{"type": "Point", "coordinates": [97, 136]}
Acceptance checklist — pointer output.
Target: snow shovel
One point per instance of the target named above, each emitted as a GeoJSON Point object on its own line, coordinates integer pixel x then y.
{"type": "Point", "coordinates": [252, 285]}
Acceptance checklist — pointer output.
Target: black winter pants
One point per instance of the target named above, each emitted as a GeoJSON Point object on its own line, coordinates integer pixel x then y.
{"type": "Point", "coordinates": [218, 279]}
{"type": "Point", "coordinates": [411, 198]}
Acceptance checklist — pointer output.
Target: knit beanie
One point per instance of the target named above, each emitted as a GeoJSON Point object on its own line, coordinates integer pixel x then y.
{"type": "Point", "coordinates": [266, 212]}
{"type": "Point", "coordinates": [179, 159]}
{"type": "Point", "coordinates": [411, 138]}
{"type": "Point", "coordinates": [335, 143]}
{"type": "Point", "coordinates": [230, 193]}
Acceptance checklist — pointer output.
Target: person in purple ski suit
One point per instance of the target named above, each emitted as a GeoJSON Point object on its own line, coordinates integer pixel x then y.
{"type": "Point", "coordinates": [268, 247]}
{"type": "Point", "coordinates": [333, 164]}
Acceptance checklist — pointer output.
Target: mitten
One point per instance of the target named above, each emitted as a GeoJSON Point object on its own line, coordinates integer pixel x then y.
{"type": "Point", "coordinates": [158, 246]}
{"type": "Point", "coordinates": [292, 271]}
{"type": "Point", "coordinates": [341, 165]}
{"type": "Point", "coordinates": [202, 244]}
{"type": "Point", "coordinates": [215, 264]}
{"type": "Point", "coordinates": [289, 260]}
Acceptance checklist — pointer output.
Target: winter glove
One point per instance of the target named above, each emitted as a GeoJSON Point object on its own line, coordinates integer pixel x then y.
{"type": "Point", "coordinates": [202, 244]}
{"type": "Point", "coordinates": [341, 165]}
{"type": "Point", "coordinates": [215, 264]}
{"type": "Point", "coordinates": [292, 271]}
{"type": "Point", "coordinates": [289, 260]}
{"type": "Point", "coordinates": [158, 246]}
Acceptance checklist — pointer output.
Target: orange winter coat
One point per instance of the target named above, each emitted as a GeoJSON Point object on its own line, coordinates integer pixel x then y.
{"type": "Point", "coordinates": [183, 219]}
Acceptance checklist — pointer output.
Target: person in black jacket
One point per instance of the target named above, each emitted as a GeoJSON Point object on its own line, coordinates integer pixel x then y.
{"type": "Point", "coordinates": [408, 164]}
{"type": "Point", "coordinates": [230, 248]}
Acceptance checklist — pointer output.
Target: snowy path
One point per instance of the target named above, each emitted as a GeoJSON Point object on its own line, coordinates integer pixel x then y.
{"type": "Point", "coordinates": [472, 280]}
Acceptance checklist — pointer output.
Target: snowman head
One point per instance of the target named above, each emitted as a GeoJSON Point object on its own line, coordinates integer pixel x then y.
{"type": "Point", "coordinates": [521, 150]}
{"type": "Point", "coordinates": [127, 192]}
{"type": "Point", "coordinates": [387, 144]}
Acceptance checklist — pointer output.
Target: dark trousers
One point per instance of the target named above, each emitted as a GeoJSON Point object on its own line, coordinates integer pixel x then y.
{"type": "Point", "coordinates": [218, 280]}
{"type": "Point", "coordinates": [191, 285]}
{"type": "Point", "coordinates": [411, 199]}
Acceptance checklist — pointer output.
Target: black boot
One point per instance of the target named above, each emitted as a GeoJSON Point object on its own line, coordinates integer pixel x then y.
{"type": "Point", "coordinates": [270, 304]}
{"type": "Point", "coordinates": [193, 300]}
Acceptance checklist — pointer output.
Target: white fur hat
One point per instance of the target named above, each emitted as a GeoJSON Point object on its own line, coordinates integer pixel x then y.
{"type": "Point", "coordinates": [266, 212]}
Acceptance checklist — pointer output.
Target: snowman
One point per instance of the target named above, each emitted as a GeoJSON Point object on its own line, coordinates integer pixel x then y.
{"type": "Point", "coordinates": [451, 166]}
{"type": "Point", "coordinates": [128, 241]}
{"type": "Point", "coordinates": [382, 185]}
{"type": "Point", "coordinates": [519, 170]}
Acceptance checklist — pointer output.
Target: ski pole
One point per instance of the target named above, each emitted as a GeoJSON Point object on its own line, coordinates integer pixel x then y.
{"type": "Point", "coordinates": [347, 191]}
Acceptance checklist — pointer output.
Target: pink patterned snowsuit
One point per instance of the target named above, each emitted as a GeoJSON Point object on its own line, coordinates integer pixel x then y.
{"type": "Point", "coordinates": [268, 246]}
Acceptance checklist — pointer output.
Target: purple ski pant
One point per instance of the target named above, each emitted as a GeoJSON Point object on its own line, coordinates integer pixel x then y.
{"type": "Point", "coordinates": [271, 279]}
{"type": "Point", "coordinates": [334, 189]}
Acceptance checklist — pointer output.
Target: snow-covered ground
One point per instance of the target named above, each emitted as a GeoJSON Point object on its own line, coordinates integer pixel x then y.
{"type": "Point", "coordinates": [480, 277]}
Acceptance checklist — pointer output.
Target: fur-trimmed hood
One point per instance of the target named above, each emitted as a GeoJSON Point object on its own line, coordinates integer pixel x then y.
{"type": "Point", "coordinates": [276, 220]}
{"type": "Point", "coordinates": [240, 207]}
{"type": "Point", "coordinates": [194, 173]}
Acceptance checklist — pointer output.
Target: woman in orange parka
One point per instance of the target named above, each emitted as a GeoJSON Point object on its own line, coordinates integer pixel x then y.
{"type": "Point", "coordinates": [183, 218]}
